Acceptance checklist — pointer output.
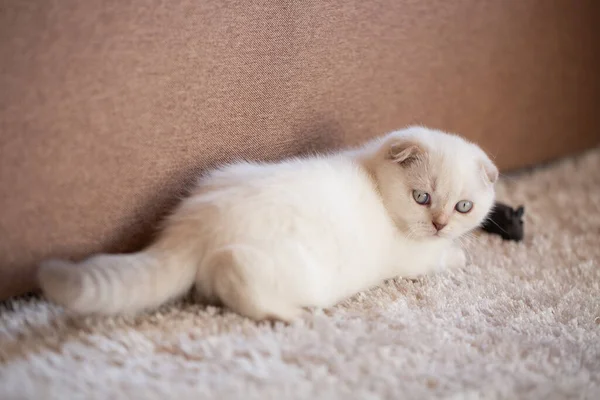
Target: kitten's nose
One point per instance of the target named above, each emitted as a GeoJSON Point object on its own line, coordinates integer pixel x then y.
{"type": "Point", "coordinates": [438, 225]}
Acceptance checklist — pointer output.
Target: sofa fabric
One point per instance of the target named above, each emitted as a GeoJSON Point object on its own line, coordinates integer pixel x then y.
{"type": "Point", "coordinates": [109, 109]}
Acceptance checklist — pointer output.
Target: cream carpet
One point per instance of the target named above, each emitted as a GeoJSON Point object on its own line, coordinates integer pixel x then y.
{"type": "Point", "coordinates": [521, 322]}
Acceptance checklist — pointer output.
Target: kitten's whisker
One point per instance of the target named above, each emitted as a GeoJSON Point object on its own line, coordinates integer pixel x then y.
{"type": "Point", "coordinates": [465, 248]}
{"type": "Point", "coordinates": [470, 237]}
{"type": "Point", "coordinates": [411, 232]}
{"type": "Point", "coordinates": [499, 227]}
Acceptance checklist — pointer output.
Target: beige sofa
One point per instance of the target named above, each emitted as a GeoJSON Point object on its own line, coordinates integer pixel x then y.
{"type": "Point", "coordinates": [109, 109]}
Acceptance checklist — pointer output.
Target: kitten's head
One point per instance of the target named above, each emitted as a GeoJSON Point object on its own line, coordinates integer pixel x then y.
{"type": "Point", "coordinates": [434, 184]}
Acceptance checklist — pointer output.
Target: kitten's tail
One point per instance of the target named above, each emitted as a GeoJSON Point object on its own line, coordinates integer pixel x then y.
{"type": "Point", "coordinates": [117, 284]}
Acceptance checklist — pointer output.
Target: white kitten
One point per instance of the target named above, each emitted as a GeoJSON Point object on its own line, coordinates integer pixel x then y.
{"type": "Point", "coordinates": [267, 240]}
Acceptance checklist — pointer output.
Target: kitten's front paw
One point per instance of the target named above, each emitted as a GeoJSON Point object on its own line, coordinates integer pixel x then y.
{"type": "Point", "coordinates": [454, 257]}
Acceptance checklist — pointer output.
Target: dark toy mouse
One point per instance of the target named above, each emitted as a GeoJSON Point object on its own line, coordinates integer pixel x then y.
{"type": "Point", "coordinates": [505, 221]}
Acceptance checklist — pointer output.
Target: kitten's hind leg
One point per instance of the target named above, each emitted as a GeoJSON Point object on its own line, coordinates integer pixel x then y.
{"type": "Point", "coordinates": [242, 284]}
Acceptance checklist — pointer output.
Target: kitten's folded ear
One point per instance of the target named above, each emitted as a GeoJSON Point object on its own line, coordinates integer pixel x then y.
{"type": "Point", "coordinates": [404, 151]}
{"type": "Point", "coordinates": [490, 171]}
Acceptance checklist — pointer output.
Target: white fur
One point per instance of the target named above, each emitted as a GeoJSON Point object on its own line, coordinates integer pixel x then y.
{"type": "Point", "coordinates": [269, 239]}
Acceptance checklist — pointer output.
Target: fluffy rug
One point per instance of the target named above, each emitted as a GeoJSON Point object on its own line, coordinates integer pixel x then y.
{"type": "Point", "coordinates": [521, 321]}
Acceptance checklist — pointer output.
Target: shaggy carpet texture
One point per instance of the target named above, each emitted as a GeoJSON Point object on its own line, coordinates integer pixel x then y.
{"type": "Point", "coordinates": [521, 321]}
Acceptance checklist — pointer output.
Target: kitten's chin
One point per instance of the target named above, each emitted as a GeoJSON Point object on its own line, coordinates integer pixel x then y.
{"type": "Point", "coordinates": [432, 237]}
{"type": "Point", "coordinates": [446, 235]}
{"type": "Point", "coordinates": [421, 235]}
{"type": "Point", "coordinates": [420, 232]}
{"type": "Point", "coordinates": [439, 236]}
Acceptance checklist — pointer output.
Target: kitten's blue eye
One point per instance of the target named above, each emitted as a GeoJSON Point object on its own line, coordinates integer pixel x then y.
{"type": "Point", "coordinates": [464, 206]}
{"type": "Point", "coordinates": [421, 198]}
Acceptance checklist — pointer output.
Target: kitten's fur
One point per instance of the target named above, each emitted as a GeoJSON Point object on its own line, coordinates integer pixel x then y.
{"type": "Point", "coordinates": [267, 240]}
